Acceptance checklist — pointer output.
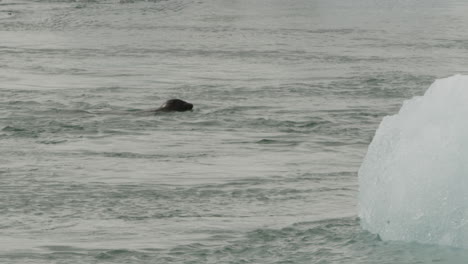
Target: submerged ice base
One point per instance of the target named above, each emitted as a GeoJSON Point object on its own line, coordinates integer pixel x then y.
{"type": "Point", "coordinates": [413, 182]}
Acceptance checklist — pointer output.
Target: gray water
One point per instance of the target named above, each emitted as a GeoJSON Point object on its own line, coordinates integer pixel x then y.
{"type": "Point", "coordinates": [287, 95]}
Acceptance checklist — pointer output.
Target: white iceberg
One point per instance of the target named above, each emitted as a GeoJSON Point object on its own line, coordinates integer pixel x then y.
{"type": "Point", "coordinates": [413, 182]}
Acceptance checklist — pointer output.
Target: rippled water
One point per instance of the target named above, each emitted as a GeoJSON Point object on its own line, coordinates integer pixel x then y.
{"type": "Point", "coordinates": [287, 97]}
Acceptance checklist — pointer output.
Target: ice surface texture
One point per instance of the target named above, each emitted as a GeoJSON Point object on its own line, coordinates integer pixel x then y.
{"type": "Point", "coordinates": [414, 179]}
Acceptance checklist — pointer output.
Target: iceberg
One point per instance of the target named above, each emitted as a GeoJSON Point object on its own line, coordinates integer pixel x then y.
{"type": "Point", "coordinates": [413, 182]}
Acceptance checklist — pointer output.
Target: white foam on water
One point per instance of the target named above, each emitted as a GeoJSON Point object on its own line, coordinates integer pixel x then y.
{"type": "Point", "coordinates": [414, 179]}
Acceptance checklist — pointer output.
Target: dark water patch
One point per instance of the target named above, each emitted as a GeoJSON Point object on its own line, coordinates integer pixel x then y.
{"type": "Point", "coordinates": [55, 70]}
{"type": "Point", "coordinates": [389, 85]}
{"type": "Point", "coordinates": [134, 155]}
{"type": "Point", "coordinates": [13, 129]}
{"type": "Point", "coordinates": [335, 143]}
{"type": "Point", "coordinates": [324, 30]}
{"type": "Point", "coordinates": [460, 44]}
{"type": "Point", "coordinates": [277, 142]}
{"type": "Point", "coordinates": [266, 141]}
{"type": "Point", "coordinates": [286, 124]}
{"type": "Point", "coordinates": [24, 103]}
{"type": "Point", "coordinates": [52, 142]}
{"type": "Point", "coordinates": [333, 176]}
{"type": "Point", "coordinates": [60, 52]}
{"type": "Point", "coordinates": [240, 108]}
{"type": "Point", "coordinates": [435, 44]}
{"type": "Point", "coordinates": [60, 127]}
{"type": "Point", "coordinates": [126, 155]}
{"type": "Point", "coordinates": [267, 56]}
{"type": "Point", "coordinates": [43, 128]}
{"type": "Point", "coordinates": [313, 88]}
{"type": "Point", "coordinates": [122, 255]}
{"type": "Point", "coordinates": [203, 123]}
{"type": "Point", "coordinates": [271, 31]}
{"type": "Point", "coordinates": [19, 132]}
{"type": "Point", "coordinates": [108, 89]}
{"type": "Point", "coordinates": [69, 15]}
{"type": "Point", "coordinates": [64, 249]}
{"type": "Point", "coordinates": [65, 112]}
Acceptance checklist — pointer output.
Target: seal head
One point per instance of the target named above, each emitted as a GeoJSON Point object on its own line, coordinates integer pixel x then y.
{"type": "Point", "coordinates": [175, 105]}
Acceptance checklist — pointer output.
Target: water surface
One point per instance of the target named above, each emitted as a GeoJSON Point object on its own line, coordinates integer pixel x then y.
{"type": "Point", "coordinates": [287, 97]}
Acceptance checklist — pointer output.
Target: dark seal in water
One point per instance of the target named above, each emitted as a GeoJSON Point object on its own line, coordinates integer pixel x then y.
{"type": "Point", "coordinates": [175, 105]}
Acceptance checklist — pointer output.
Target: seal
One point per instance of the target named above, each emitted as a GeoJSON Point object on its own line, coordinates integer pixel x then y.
{"type": "Point", "coordinates": [174, 105]}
